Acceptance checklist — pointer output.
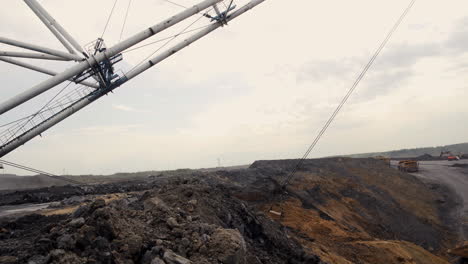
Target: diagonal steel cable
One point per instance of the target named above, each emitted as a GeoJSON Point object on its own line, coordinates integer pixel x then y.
{"type": "Point", "coordinates": [125, 19]}
{"type": "Point", "coordinates": [108, 19]}
{"type": "Point", "coordinates": [167, 43]}
{"type": "Point", "coordinates": [348, 94]}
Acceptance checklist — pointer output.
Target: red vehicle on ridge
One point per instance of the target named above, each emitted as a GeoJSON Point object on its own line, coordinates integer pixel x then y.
{"type": "Point", "coordinates": [449, 155]}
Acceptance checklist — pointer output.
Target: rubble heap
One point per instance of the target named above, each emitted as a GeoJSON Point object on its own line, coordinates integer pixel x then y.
{"type": "Point", "coordinates": [183, 222]}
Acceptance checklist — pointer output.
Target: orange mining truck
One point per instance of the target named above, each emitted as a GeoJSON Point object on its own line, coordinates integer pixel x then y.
{"type": "Point", "coordinates": [408, 166]}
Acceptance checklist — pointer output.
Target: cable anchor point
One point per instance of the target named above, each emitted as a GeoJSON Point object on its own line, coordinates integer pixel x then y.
{"type": "Point", "coordinates": [103, 71]}
{"type": "Point", "coordinates": [221, 17]}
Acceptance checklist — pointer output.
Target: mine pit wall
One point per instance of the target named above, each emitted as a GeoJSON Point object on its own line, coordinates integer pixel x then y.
{"type": "Point", "coordinates": [392, 205]}
{"type": "Point", "coordinates": [362, 201]}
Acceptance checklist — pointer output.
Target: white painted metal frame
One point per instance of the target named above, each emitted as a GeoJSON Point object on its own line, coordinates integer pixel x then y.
{"type": "Point", "coordinates": [110, 52]}
{"type": "Point", "coordinates": [30, 55]}
{"type": "Point", "coordinates": [51, 27]}
{"type": "Point", "coordinates": [42, 70]}
{"type": "Point", "coordinates": [90, 62]}
{"type": "Point", "coordinates": [38, 48]}
{"type": "Point", "coordinates": [37, 8]}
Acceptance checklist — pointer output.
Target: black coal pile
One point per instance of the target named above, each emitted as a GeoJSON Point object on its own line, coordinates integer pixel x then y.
{"type": "Point", "coordinates": [58, 193]}
{"type": "Point", "coordinates": [185, 221]}
{"type": "Point", "coordinates": [426, 157]}
{"type": "Point", "coordinates": [460, 165]}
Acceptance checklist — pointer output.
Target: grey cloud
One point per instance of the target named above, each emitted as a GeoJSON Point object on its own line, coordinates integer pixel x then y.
{"type": "Point", "coordinates": [400, 56]}
{"type": "Point", "coordinates": [406, 55]}
{"type": "Point", "coordinates": [322, 70]}
{"type": "Point", "coordinates": [382, 83]}
{"type": "Point", "coordinates": [418, 26]}
{"type": "Point", "coordinates": [390, 70]}
{"type": "Point", "coordinates": [458, 41]}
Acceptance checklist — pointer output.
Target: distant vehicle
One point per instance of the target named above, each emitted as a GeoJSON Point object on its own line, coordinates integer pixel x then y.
{"type": "Point", "coordinates": [449, 155]}
{"type": "Point", "coordinates": [453, 158]}
{"type": "Point", "coordinates": [384, 159]}
{"type": "Point", "coordinates": [408, 166]}
{"type": "Point", "coordinates": [444, 154]}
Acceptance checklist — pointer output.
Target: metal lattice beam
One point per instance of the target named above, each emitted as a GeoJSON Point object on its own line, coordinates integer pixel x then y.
{"type": "Point", "coordinates": [99, 60]}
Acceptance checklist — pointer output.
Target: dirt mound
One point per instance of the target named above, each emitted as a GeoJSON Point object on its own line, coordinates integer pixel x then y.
{"type": "Point", "coordinates": [13, 182]}
{"type": "Point", "coordinates": [435, 151]}
{"type": "Point", "coordinates": [427, 157]}
{"type": "Point", "coordinates": [458, 165]}
{"type": "Point", "coordinates": [182, 222]}
{"type": "Point", "coordinates": [58, 193]}
{"type": "Point", "coordinates": [342, 210]}
{"type": "Point", "coordinates": [342, 204]}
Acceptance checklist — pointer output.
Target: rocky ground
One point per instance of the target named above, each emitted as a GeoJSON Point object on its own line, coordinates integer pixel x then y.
{"type": "Point", "coordinates": [453, 174]}
{"type": "Point", "coordinates": [337, 210]}
{"type": "Point", "coordinates": [184, 221]}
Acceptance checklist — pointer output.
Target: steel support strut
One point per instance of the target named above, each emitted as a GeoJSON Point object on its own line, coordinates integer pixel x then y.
{"type": "Point", "coordinates": [37, 48]}
{"type": "Point", "coordinates": [51, 27]}
{"type": "Point", "coordinates": [30, 55]}
{"type": "Point", "coordinates": [42, 70]}
{"type": "Point", "coordinates": [30, 134]}
{"type": "Point", "coordinates": [36, 7]}
{"type": "Point", "coordinates": [152, 62]}
{"type": "Point", "coordinates": [110, 52]}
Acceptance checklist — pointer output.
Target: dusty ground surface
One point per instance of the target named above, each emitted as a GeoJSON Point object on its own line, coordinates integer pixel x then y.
{"type": "Point", "coordinates": [418, 152]}
{"type": "Point", "coordinates": [59, 193]}
{"type": "Point", "coordinates": [14, 182]}
{"type": "Point", "coordinates": [358, 211]}
{"type": "Point", "coordinates": [184, 221]}
{"type": "Point", "coordinates": [453, 174]}
{"type": "Point", "coordinates": [336, 210]}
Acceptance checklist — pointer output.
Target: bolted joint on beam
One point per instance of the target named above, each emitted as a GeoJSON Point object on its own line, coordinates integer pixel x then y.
{"type": "Point", "coordinates": [221, 17]}
{"type": "Point", "coordinates": [103, 70]}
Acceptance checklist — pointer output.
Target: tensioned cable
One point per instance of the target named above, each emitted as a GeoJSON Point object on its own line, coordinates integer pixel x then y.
{"type": "Point", "coordinates": [230, 5]}
{"type": "Point", "coordinates": [136, 48]}
{"type": "Point", "coordinates": [166, 43]}
{"type": "Point", "coordinates": [182, 6]}
{"type": "Point", "coordinates": [125, 19]}
{"type": "Point", "coordinates": [109, 18]}
{"type": "Point", "coordinates": [39, 111]}
{"type": "Point", "coordinates": [161, 40]}
{"type": "Point", "coordinates": [26, 117]}
{"type": "Point", "coordinates": [348, 94]}
{"type": "Point", "coordinates": [57, 105]}
{"type": "Point", "coordinates": [224, 4]}
{"type": "Point", "coordinates": [176, 4]}
{"type": "Point", "coordinates": [19, 166]}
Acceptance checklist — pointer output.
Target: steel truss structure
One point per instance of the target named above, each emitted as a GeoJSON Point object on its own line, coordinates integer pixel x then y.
{"type": "Point", "coordinates": [93, 69]}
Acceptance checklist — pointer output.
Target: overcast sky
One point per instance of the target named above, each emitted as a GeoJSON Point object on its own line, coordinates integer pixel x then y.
{"type": "Point", "coordinates": [260, 88]}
